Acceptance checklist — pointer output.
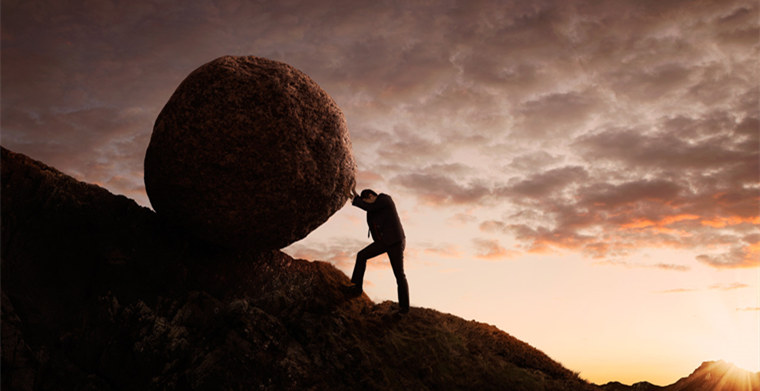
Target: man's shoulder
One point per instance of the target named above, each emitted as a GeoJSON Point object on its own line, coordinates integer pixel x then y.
{"type": "Point", "coordinates": [385, 199]}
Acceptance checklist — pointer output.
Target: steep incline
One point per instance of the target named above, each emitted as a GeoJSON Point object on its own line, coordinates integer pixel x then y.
{"type": "Point", "coordinates": [99, 293]}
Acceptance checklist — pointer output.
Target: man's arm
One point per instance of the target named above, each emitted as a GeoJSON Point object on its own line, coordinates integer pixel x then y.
{"type": "Point", "coordinates": [382, 201]}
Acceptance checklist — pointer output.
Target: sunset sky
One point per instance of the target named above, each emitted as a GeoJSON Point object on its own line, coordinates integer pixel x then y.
{"type": "Point", "coordinates": [582, 174]}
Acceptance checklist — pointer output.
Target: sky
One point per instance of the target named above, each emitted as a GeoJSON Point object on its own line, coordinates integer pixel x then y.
{"type": "Point", "coordinates": [583, 175]}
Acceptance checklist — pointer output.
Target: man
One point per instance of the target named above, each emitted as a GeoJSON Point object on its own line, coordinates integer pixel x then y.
{"type": "Point", "coordinates": [388, 237]}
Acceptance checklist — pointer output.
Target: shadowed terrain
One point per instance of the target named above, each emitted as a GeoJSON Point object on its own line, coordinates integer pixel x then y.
{"type": "Point", "coordinates": [100, 293]}
{"type": "Point", "coordinates": [710, 376]}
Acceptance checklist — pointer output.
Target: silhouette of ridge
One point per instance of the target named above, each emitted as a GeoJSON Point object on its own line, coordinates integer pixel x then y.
{"type": "Point", "coordinates": [718, 376]}
{"type": "Point", "coordinates": [100, 293]}
{"type": "Point", "coordinates": [710, 376]}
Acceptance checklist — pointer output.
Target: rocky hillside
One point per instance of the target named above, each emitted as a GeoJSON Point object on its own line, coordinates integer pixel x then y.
{"type": "Point", "coordinates": [99, 293]}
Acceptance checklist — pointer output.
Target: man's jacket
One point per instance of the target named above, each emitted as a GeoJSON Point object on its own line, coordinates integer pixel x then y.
{"type": "Point", "coordinates": [382, 218]}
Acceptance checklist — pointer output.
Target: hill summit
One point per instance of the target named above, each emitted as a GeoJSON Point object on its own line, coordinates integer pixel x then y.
{"type": "Point", "coordinates": [710, 376]}
{"type": "Point", "coordinates": [99, 293]}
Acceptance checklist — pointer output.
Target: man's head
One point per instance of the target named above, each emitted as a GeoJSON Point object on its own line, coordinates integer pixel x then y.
{"type": "Point", "coordinates": [368, 195]}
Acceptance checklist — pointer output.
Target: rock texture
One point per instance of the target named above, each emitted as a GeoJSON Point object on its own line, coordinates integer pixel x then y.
{"type": "Point", "coordinates": [249, 153]}
{"type": "Point", "coordinates": [99, 294]}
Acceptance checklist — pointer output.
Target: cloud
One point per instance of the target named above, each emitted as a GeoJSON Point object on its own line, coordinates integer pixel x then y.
{"type": "Point", "coordinates": [437, 188]}
{"type": "Point", "coordinates": [682, 143]}
{"type": "Point", "coordinates": [572, 210]}
{"type": "Point", "coordinates": [569, 112]}
{"type": "Point", "coordinates": [492, 226]}
{"type": "Point", "coordinates": [744, 256]}
{"type": "Point", "coordinates": [463, 218]}
{"type": "Point", "coordinates": [409, 147]}
{"type": "Point", "coordinates": [660, 266]}
{"type": "Point", "coordinates": [545, 184]}
{"type": "Point", "coordinates": [714, 287]}
{"type": "Point", "coordinates": [593, 127]}
{"type": "Point", "coordinates": [670, 266]}
{"type": "Point", "coordinates": [689, 182]}
{"type": "Point", "coordinates": [534, 161]}
{"type": "Point", "coordinates": [729, 287]}
{"type": "Point", "coordinates": [492, 250]}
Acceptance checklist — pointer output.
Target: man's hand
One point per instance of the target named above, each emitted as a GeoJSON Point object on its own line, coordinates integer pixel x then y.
{"type": "Point", "coordinates": [352, 193]}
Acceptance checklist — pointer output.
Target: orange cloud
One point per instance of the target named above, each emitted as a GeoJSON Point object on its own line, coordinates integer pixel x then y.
{"type": "Point", "coordinates": [660, 226]}
{"type": "Point", "coordinates": [720, 222]}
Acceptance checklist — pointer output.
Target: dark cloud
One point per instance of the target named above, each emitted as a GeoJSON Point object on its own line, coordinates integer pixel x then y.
{"type": "Point", "coordinates": [440, 189]}
{"type": "Point", "coordinates": [411, 148]}
{"type": "Point", "coordinates": [682, 143]}
{"type": "Point", "coordinates": [556, 115]}
{"type": "Point", "coordinates": [545, 184]}
{"type": "Point", "coordinates": [604, 219]}
{"type": "Point", "coordinates": [534, 161]}
{"type": "Point", "coordinates": [643, 193]}
{"type": "Point", "coordinates": [600, 127]}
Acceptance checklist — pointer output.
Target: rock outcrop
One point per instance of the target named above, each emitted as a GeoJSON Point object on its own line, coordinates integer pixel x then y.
{"type": "Point", "coordinates": [99, 293]}
{"type": "Point", "coordinates": [249, 153]}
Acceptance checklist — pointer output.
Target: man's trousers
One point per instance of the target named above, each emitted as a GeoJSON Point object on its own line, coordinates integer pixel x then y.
{"type": "Point", "coordinates": [396, 254]}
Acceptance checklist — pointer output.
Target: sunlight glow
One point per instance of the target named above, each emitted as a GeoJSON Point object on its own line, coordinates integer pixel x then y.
{"type": "Point", "coordinates": [734, 379]}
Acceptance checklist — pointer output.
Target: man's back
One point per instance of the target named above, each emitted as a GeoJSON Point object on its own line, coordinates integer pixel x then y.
{"type": "Point", "coordinates": [383, 219]}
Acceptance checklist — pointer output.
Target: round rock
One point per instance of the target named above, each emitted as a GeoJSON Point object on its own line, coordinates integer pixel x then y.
{"type": "Point", "coordinates": [249, 153]}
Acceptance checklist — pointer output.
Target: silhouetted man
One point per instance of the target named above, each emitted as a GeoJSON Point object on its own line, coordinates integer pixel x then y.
{"type": "Point", "coordinates": [388, 237]}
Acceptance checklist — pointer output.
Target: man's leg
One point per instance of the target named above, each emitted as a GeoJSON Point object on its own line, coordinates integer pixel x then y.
{"type": "Point", "coordinates": [396, 255]}
{"type": "Point", "coordinates": [371, 251]}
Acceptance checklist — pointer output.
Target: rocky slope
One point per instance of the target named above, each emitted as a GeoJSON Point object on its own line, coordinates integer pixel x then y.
{"type": "Point", "coordinates": [99, 293]}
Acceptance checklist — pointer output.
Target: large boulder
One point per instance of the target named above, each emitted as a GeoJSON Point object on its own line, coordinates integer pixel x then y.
{"type": "Point", "coordinates": [249, 153]}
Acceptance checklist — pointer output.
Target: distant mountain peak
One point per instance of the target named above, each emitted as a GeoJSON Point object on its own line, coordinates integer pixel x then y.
{"type": "Point", "coordinates": [718, 375]}
{"type": "Point", "coordinates": [709, 376]}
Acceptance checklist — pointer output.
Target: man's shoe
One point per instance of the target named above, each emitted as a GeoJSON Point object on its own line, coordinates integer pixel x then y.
{"type": "Point", "coordinates": [403, 310]}
{"type": "Point", "coordinates": [353, 290]}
